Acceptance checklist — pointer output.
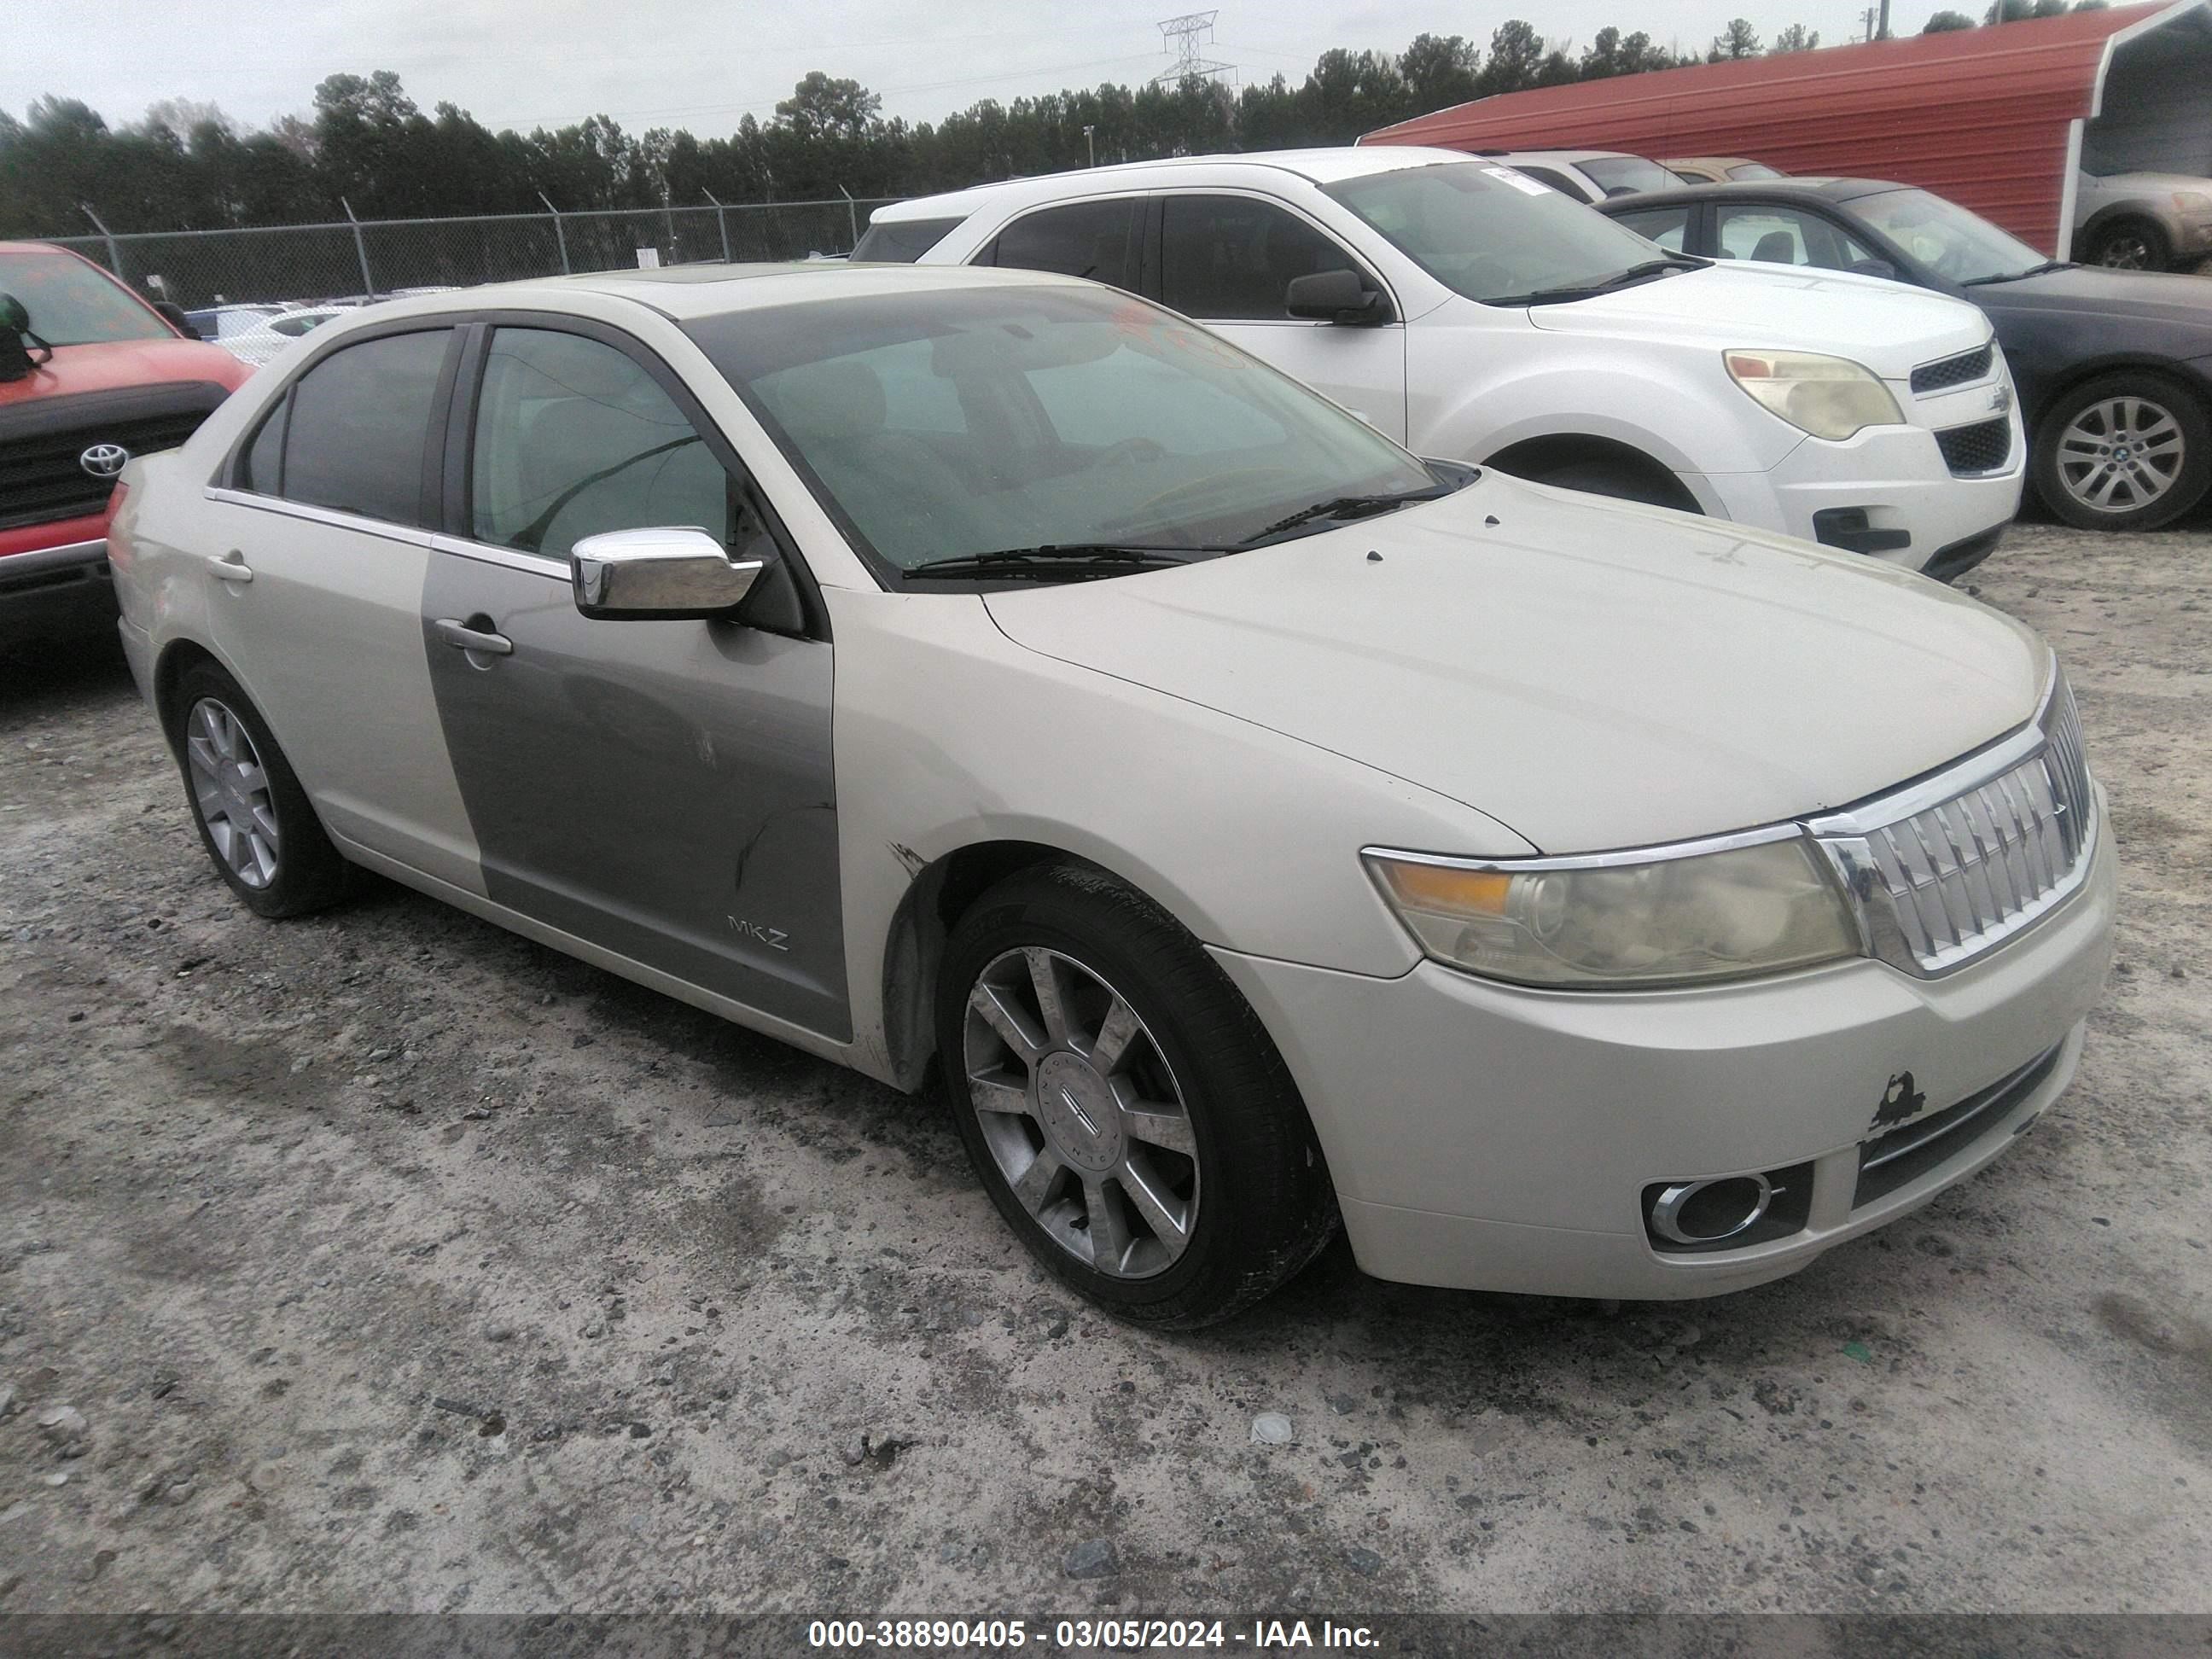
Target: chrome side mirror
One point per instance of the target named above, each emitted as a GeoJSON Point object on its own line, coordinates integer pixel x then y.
{"type": "Point", "coordinates": [663, 573]}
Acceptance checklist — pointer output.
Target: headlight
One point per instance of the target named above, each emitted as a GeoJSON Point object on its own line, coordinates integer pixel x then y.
{"type": "Point", "coordinates": [2192, 201]}
{"type": "Point", "coordinates": [1828, 396]}
{"type": "Point", "coordinates": [1626, 920]}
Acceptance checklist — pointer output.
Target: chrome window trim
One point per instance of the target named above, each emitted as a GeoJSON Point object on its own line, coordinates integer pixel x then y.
{"type": "Point", "coordinates": [337, 520]}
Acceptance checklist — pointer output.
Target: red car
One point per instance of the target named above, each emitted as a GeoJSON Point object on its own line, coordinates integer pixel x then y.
{"type": "Point", "coordinates": [90, 375]}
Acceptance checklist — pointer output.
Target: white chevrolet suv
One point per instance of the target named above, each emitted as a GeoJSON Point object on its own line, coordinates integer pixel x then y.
{"type": "Point", "coordinates": [1475, 315]}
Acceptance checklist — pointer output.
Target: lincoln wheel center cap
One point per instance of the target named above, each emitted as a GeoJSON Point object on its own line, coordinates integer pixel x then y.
{"type": "Point", "coordinates": [1078, 1109]}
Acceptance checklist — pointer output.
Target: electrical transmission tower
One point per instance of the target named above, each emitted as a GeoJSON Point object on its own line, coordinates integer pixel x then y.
{"type": "Point", "coordinates": [1183, 36]}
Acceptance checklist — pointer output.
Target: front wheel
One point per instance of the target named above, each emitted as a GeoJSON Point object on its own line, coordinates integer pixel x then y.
{"type": "Point", "coordinates": [2130, 451]}
{"type": "Point", "coordinates": [1122, 1104]}
{"type": "Point", "coordinates": [2130, 245]}
{"type": "Point", "coordinates": [258, 828]}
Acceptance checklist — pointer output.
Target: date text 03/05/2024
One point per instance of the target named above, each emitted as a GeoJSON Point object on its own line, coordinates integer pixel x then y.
{"type": "Point", "coordinates": [1251, 1636]}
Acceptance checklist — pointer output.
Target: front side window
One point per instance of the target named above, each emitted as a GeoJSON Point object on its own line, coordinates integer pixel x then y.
{"type": "Point", "coordinates": [1787, 236]}
{"type": "Point", "coordinates": [1489, 233]}
{"type": "Point", "coordinates": [1084, 239]}
{"type": "Point", "coordinates": [357, 435]}
{"type": "Point", "coordinates": [1229, 258]}
{"type": "Point", "coordinates": [941, 425]}
{"type": "Point", "coordinates": [73, 303]}
{"type": "Point", "coordinates": [574, 438]}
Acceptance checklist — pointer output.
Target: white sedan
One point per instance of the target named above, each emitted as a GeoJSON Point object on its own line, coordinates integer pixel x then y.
{"type": "Point", "coordinates": [987, 677]}
{"type": "Point", "coordinates": [262, 340]}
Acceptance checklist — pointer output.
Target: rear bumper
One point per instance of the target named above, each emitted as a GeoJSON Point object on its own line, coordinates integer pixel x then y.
{"type": "Point", "coordinates": [1487, 1137]}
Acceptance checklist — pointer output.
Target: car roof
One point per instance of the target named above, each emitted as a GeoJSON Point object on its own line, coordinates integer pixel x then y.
{"type": "Point", "coordinates": [1559, 157]}
{"type": "Point", "coordinates": [1791, 188]}
{"type": "Point", "coordinates": [681, 292]}
{"type": "Point", "coordinates": [1320, 167]}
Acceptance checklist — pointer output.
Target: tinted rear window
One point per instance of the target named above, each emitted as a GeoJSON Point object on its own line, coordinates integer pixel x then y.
{"type": "Point", "coordinates": [901, 241]}
{"type": "Point", "coordinates": [360, 426]}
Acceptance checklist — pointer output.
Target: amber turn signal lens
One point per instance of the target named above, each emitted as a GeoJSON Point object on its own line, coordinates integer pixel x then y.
{"type": "Point", "coordinates": [1432, 887]}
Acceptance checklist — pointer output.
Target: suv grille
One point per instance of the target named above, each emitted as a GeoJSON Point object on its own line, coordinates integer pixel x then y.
{"type": "Point", "coordinates": [1983, 447]}
{"type": "Point", "coordinates": [1948, 371]}
{"type": "Point", "coordinates": [41, 478]}
{"type": "Point", "coordinates": [1944, 883]}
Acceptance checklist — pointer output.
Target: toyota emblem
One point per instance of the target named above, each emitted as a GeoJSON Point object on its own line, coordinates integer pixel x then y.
{"type": "Point", "coordinates": [104, 460]}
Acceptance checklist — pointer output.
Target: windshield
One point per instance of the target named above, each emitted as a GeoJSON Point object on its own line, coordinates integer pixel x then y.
{"type": "Point", "coordinates": [938, 424]}
{"type": "Point", "coordinates": [72, 303]}
{"type": "Point", "coordinates": [1489, 234]}
{"type": "Point", "coordinates": [1945, 238]}
{"type": "Point", "coordinates": [1624, 175]}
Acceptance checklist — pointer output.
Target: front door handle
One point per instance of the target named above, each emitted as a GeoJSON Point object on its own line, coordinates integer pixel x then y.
{"type": "Point", "coordinates": [462, 637]}
{"type": "Point", "coordinates": [230, 567]}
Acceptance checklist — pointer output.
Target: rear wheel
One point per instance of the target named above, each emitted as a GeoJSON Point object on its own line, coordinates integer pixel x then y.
{"type": "Point", "coordinates": [260, 832]}
{"type": "Point", "coordinates": [2130, 451]}
{"type": "Point", "coordinates": [1123, 1106]}
{"type": "Point", "coordinates": [2130, 245]}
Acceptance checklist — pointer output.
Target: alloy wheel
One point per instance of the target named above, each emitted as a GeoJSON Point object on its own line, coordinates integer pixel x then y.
{"type": "Point", "coordinates": [230, 790]}
{"type": "Point", "coordinates": [2120, 454]}
{"type": "Point", "coordinates": [1081, 1112]}
{"type": "Point", "coordinates": [2127, 252]}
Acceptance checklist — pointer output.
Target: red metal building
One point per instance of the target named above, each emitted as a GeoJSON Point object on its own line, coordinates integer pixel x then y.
{"type": "Point", "coordinates": [1999, 119]}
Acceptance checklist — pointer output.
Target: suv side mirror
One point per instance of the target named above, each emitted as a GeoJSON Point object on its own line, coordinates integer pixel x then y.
{"type": "Point", "coordinates": [14, 316]}
{"type": "Point", "coordinates": [1873, 268]}
{"type": "Point", "coordinates": [663, 574]}
{"type": "Point", "coordinates": [1335, 296]}
{"type": "Point", "coordinates": [174, 313]}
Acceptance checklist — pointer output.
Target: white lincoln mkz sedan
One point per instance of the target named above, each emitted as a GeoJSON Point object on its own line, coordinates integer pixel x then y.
{"type": "Point", "coordinates": [989, 676]}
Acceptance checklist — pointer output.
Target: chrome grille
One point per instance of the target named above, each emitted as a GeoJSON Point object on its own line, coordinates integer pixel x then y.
{"type": "Point", "coordinates": [1943, 873]}
{"type": "Point", "coordinates": [1961, 370]}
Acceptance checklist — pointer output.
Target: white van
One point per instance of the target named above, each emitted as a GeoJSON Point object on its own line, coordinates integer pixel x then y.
{"type": "Point", "coordinates": [1475, 315]}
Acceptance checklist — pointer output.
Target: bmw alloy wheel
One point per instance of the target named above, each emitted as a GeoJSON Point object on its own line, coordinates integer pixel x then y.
{"type": "Point", "coordinates": [1081, 1113]}
{"type": "Point", "coordinates": [2119, 454]}
{"type": "Point", "coordinates": [230, 791]}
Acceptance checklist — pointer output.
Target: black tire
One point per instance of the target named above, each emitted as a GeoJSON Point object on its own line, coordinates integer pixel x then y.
{"type": "Point", "coordinates": [309, 873]}
{"type": "Point", "coordinates": [2130, 245]}
{"type": "Point", "coordinates": [2183, 408]}
{"type": "Point", "coordinates": [1264, 1206]}
{"type": "Point", "coordinates": [1621, 482]}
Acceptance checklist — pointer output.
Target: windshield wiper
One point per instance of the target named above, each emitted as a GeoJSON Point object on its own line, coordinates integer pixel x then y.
{"type": "Point", "coordinates": [1649, 268]}
{"type": "Point", "coordinates": [1347, 507]}
{"type": "Point", "coordinates": [2015, 276]}
{"type": "Point", "coordinates": [1064, 561]}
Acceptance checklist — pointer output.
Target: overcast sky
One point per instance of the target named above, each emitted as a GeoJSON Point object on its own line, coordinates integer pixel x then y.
{"type": "Point", "coordinates": [705, 64]}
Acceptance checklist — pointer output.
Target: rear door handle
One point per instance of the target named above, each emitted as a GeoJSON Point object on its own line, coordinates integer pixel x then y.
{"type": "Point", "coordinates": [462, 637]}
{"type": "Point", "coordinates": [230, 567]}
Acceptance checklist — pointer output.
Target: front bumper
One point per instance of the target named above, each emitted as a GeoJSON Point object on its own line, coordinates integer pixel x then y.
{"type": "Point", "coordinates": [53, 590]}
{"type": "Point", "coordinates": [1487, 1137]}
{"type": "Point", "coordinates": [1894, 475]}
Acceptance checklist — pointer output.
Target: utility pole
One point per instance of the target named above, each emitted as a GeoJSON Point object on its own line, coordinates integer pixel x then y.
{"type": "Point", "coordinates": [1882, 33]}
{"type": "Point", "coordinates": [1868, 17]}
{"type": "Point", "coordinates": [1090, 145]}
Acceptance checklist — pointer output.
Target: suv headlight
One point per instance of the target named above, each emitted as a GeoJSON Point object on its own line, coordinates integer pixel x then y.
{"type": "Point", "coordinates": [1828, 396]}
{"type": "Point", "coordinates": [2192, 201]}
{"type": "Point", "coordinates": [1627, 921]}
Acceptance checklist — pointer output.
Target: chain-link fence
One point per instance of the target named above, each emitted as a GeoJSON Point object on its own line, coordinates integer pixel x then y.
{"type": "Point", "coordinates": [303, 264]}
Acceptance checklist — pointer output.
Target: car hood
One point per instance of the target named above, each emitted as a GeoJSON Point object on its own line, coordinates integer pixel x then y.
{"type": "Point", "coordinates": [1591, 674]}
{"type": "Point", "coordinates": [1887, 326]}
{"type": "Point", "coordinates": [2092, 290]}
{"type": "Point", "coordinates": [105, 368]}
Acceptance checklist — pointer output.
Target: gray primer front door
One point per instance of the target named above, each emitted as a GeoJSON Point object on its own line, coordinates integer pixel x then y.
{"type": "Point", "coordinates": [663, 789]}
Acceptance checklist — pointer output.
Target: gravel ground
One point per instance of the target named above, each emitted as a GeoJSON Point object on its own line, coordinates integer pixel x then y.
{"type": "Point", "coordinates": [392, 1262]}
